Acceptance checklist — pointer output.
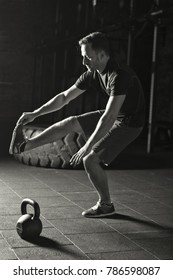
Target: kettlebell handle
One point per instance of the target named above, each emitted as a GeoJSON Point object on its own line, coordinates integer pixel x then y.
{"type": "Point", "coordinates": [34, 204]}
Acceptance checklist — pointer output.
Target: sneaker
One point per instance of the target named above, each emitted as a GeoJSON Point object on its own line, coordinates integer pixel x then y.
{"type": "Point", "coordinates": [101, 209]}
{"type": "Point", "coordinates": [18, 141]}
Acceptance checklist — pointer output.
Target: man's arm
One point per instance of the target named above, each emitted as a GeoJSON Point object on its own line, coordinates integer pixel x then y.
{"type": "Point", "coordinates": [103, 126]}
{"type": "Point", "coordinates": [54, 104]}
{"type": "Point", "coordinates": [107, 119]}
{"type": "Point", "coordinates": [59, 101]}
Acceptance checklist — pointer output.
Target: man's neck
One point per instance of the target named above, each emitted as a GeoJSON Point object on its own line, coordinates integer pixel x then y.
{"type": "Point", "coordinates": [103, 66]}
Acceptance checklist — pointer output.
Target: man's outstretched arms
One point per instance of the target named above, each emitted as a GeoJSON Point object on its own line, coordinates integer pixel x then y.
{"type": "Point", "coordinates": [54, 104]}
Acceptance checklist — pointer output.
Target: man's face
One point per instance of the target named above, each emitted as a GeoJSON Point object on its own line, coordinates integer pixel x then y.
{"type": "Point", "coordinates": [90, 57]}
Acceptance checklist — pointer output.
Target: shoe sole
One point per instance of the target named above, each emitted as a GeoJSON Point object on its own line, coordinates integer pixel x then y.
{"type": "Point", "coordinates": [99, 216]}
{"type": "Point", "coordinates": [13, 145]}
{"type": "Point", "coordinates": [11, 149]}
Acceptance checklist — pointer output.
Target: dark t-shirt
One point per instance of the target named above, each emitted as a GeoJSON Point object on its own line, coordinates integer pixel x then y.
{"type": "Point", "coordinates": [118, 80]}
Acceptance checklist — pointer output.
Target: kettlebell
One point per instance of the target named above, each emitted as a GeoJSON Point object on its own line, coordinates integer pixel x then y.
{"type": "Point", "coordinates": [29, 225]}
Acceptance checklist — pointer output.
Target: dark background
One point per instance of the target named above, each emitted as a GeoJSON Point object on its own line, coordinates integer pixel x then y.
{"type": "Point", "coordinates": [39, 56]}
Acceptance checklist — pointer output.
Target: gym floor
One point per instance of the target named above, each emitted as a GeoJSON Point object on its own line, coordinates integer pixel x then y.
{"type": "Point", "coordinates": [141, 186]}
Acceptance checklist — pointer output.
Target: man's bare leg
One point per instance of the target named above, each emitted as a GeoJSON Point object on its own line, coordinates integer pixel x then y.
{"type": "Point", "coordinates": [104, 207]}
{"type": "Point", "coordinates": [97, 176]}
{"type": "Point", "coordinates": [54, 132]}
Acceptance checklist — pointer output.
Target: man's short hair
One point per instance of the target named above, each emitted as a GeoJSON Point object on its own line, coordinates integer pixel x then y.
{"type": "Point", "coordinates": [98, 41]}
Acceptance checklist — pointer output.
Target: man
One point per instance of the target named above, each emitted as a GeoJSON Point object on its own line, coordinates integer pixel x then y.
{"type": "Point", "coordinates": [107, 132]}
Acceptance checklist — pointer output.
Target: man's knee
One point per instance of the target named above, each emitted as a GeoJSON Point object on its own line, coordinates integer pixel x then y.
{"type": "Point", "coordinates": [75, 125]}
{"type": "Point", "coordinates": [90, 160]}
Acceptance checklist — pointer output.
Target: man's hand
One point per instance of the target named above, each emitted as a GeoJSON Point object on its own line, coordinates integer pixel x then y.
{"type": "Point", "coordinates": [77, 158]}
{"type": "Point", "coordinates": [26, 117]}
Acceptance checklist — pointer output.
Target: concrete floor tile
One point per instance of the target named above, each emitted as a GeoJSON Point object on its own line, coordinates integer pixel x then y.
{"type": "Point", "coordinates": [168, 200]}
{"type": "Point", "coordinates": [140, 195]}
{"type": "Point", "coordinates": [48, 237]}
{"type": "Point", "coordinates": [161, 179]}
{"type": "Point", "coordinates": [57, 176]}
{"type": "Point", "coordinates": [127, 221]}
{"type": "Point", "coordinates": [14, 239]}
{"type": "Point", "coordinates": [12, 209]}
{"type": "Point", "coordinates": [102, 242]}
{"type": "Point", "coordinates": [154, 178]}
{"type": "Point", "coordinates": [116, 188]}
{"type": "Point", "coordinates": [165, 257]}
{"type": "Point", "coordinates": [23, 184]}
{"type": "Point", "coordinates": [130, 214]}
{"type": "Point", "coordinates": [8, 222]}
{"type": "Point", "coordinates": [125, 215]}
{"type": "Point", "coordinates": [44, 192]}
{"type": "Point", "coordinates": [55, 252]}
{"type": "Point", "coordinates": [83, 225]}
{"type": "Point", "coordinates": [141, 185]}
{"type": "Point", "coordinates": [124, 198]}
{"type": "Point", "coordinates": [16, 177]}
{"type": "Point", "coordinates": [126, 179]}
{"type": "Point", "coordinates": [54, 235]}
{"type": "Point", "coordinates": [51, 175]}
{"type": "Point", "coordinates": [150, 234]}
{"type": "Point", "coordinates": [56, 200]}
{"type": "Point", "coordinates": [135, 227]}
{"type": "Point", "coordinates": [159, 193]}
{"type": "Point", "coordinates": [68, 187]}
{"type": "Point", "coordinates": [75, 176]}
{"type": "Point", "coordinates": [53, 213]}
{"type": "Point", "coordinates": [64, 185]}
{"type": "Point", "coordinates": [86, 204]}
{"type": "Point", "coordinates": [123, 255]}
{"type": "Point", "coordinates": [3, 244]}
{"type": "Point", "coordinates": [76, 196]}
{"type": "Point", "coordinates": [150, 208]}
{"type": "Point", "coordinates": [164, 220]}
{"type": "Point", "coordinates": [6, 253]}
{"type": "Point", "coordinates": [160, 247]}
{"type": "Point", "coordinates": [4, 189]}
{"type": "Point", "coordinates": [9, 198]}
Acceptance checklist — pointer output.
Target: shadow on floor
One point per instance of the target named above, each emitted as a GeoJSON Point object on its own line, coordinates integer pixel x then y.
{"type": "Point", "coordinates": [51, 244]}
{"type": "Point", "coordinates": [134, 219]}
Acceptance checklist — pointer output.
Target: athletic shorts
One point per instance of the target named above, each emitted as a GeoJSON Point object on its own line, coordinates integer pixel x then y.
{"type": "Point", "coordinates": [115, 141]}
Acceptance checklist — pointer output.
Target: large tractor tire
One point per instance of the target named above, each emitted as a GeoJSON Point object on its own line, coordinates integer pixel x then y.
{"type": "Point", "coordinates": [52, 155]}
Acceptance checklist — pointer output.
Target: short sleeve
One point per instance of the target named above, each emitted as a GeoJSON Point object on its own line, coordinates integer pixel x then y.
{"type": "Point", "coordinates": [119, 82]}
{"type": "Point", "coordinates": [84, 81]}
